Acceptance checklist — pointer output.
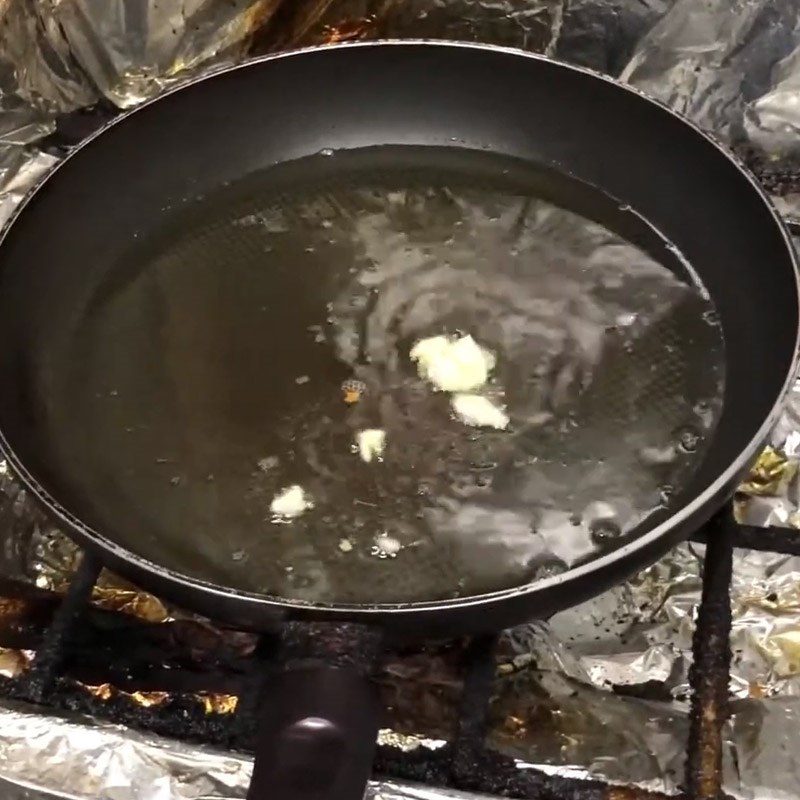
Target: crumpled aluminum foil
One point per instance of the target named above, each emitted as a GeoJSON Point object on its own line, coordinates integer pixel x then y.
{"type": "Point", "coordinates": [712, 60]}
{"type": "Point", "coordinates": [60, 55]}
{"type": "Point", "coordinates": [734, 67]}
{"type": "Point", "coordinates": [773, 119]}
{"type": "Point", "coordinates": [67, 54]}
{"type": "Point", "coordinates": [70, 760]}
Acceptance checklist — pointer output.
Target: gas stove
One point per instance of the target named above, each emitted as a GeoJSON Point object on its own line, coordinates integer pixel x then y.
{"type": "Point", "coordinates": [186, 681]}
{"type": "Point", "coordinates": [110, 693]}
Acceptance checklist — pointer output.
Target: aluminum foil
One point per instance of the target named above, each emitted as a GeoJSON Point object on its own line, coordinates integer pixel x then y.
{"type": "Point", "coordinates": [599, 690]}
{"type": "Point", "coordinates": [60, 55]}
{"type": "Point", "coordinates": [67, 759]}
{"type": "Point", "coordinates": [530, 24]}
{"type": "Point", "coordinates": [67, 54]}
{"type": "Point", "coordinates": [710, 60]}
{"type": "Point", "coordinates": [733, 66]}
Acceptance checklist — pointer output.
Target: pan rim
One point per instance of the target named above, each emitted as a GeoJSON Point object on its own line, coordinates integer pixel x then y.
{"type": "Point", "coordinates": [698, 508]}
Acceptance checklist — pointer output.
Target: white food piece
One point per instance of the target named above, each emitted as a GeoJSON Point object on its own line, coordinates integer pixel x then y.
{"type": "Point", "coordinates": [345, 545]}
{"type": "Point", "coordinates": [371, 443]}
{"type": "Point", "coordinates": [453, 364]}
{"type": "Point", "coordinates": [388, 545]}
{"type": "Point", "coordinates": [291, 502]}
{"type": "Point", "coordinates": [479, 411]}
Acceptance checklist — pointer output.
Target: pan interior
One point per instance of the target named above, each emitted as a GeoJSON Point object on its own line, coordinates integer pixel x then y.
{"type": "Point", "coordinates": [204, 376]}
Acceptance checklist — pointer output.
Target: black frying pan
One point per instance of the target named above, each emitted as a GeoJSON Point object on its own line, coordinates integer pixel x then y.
{"type": "Point", "coordinates": [455, 109]}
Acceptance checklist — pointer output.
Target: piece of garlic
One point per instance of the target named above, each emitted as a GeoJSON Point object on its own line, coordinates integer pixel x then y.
{"type": "Point", "coordinates": [291, 502]}
{"type": "Point", "coordinates": [387, 546]}
{"type": "Point", "coordinates": [452, 364]}
{"type": "Point", "coordinates": [371, 443]}
{"type": "Point", "coordinates": [479, 411]}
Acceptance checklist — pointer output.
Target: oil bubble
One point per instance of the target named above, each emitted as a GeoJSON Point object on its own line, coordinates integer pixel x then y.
{"type": "Point", "coordinates": [604, 531]}
{"type": "Point", "coordinates": [549, 568]}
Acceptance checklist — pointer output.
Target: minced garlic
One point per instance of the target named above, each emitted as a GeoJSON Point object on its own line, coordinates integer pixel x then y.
{"type": "Point", "coordinates": [291, 502]}
{"type": "Point", "coordinates": [479, 411]}
{"type": "Point", "coordinates": [371, 443]}
{"type": "Point", "coordinates": [453, 364]}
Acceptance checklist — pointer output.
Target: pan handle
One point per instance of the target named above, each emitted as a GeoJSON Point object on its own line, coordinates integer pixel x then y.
{"type": "Point", "coordinates": [317, 736]}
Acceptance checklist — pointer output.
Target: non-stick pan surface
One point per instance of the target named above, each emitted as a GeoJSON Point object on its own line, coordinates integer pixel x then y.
{"type": "Point", "coordinates": [390, 109]}
{"type": "Point", "coordinates": [206, 372]}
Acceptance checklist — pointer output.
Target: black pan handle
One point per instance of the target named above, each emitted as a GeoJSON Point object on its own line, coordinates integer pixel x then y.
{"type": "Point", "coordinates": [317, 735]}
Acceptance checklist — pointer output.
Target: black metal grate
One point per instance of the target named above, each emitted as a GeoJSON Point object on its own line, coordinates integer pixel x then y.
{"type": "Point", "coordinates": [58, 631]}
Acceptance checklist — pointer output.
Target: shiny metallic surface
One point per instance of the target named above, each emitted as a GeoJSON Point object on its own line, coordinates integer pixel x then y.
{"type": "Point", "coordinates": [56, 57]}
{"type": "Point", "coordinates": [52, 754]}
{"type": "Point", "coordinates": [708, 59]}
{"type": "Point", "coordinates": [69, 53]}
{"type": "Point", "coordinates": [734, 68]}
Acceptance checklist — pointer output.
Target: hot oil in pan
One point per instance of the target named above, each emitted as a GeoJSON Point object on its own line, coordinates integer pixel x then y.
{"type": "Point", "coordinates": [241, 350]}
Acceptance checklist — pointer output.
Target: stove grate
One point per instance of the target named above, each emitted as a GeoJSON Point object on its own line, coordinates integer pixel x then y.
{"type": "Point", "coordinates": [65, 634]}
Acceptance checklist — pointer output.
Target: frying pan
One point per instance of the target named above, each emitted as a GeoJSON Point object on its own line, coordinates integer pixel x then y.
{"type": "Point", "coordinates": [419, 97]}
